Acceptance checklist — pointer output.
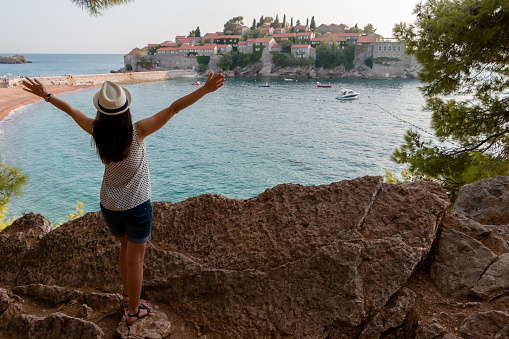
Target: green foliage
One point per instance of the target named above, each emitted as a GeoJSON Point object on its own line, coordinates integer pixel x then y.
{"type": "Point", "coordinates": [407, 177]}
{"type": "Point", "coordinates": [128, 67]}
{"type": "Point", "coordinates": [369, 29]}
{"type": "Point", "coordinates": [233, 59]}
{"type": "Point", "coordinates": [231, 24]}
{"type": "Point", "coordinates": [197, 32]}
{"type": "Point", "coordinates": [331, 56]}
{"type": "Point", "coordinates": [354, 29]}
{"type": "Point", "coordinates": [289, 60]}
{"type": "Point", "coordinates": [286, 46]}
{"type": "Point", "coordinates": [369, 62]}
{"type": "Point", "coordinates": [384, 60]}
{"type": "Point", "coordinates": [312, 26]}
{"type": "Point", "coordinates": [73, 216]}
{"type": "Point", "coordinates": [11, 182]}
{"type": "Point", "coordinates": [96, 7]}
{"type": "Point", "coordinates": [146, 64]}
{"type": "Point", "coordinates": [462, 47]}
{"type": "Point", "coordinates": [203, 62]}
{"type": "Point", "coordinates": [203, 59]}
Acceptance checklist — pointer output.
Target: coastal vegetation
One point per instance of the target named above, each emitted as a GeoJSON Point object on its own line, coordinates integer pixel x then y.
{"type": "Point", "coordinates": [331, 55]}
{"type": "Point", "coordinates": [11, 182]}
{"type": "Point", "coordinates": [289, 60]}
{"type": "Point", "coordinates": [233, 59]}
{"type": "Point", "coordinates": [462, 47]}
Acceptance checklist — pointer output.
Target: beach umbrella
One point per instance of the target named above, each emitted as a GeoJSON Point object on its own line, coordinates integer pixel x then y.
{"type": "Point", "coordinates": [7, 74]}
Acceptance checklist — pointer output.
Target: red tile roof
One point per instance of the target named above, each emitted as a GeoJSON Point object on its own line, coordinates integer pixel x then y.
{"type": "Point", "coordinates": [276, 46]}
{"type": "Point", "coordinates": [152, 45]}
{"type": "Point", "coordinates": [136, 50]}
{"type": "Point", "coordinates": [263, 40]}
{"type": "Point", "coordinates": [284, 35]}
{"type": "Point", "coordinates": [367, 39]}
{"type": "Point", "coordinates": [338, 39]}
{"type": "Point", "coordinates": [301, 46]}
{"type": "Point", "coordinates": [242, 43]}
{"type": "Point", "coordinates": [168, 49]}
{"type": "Point", "coordinates": [168, 44]}
{"type": "Point", "coordinates": [304, 33]}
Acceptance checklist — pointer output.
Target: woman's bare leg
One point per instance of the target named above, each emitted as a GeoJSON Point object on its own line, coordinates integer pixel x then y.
{"type": "Point", "coordinates": [135, 254]}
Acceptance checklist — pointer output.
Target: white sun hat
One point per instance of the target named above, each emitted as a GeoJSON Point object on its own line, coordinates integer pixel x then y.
{"type": "Point", "coordinates": [112, 99]}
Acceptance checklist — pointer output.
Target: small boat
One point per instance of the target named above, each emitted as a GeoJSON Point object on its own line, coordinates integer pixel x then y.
{"type": "Point", "coordinates": [288, 79]}
{"type": "Point", "coordinates": [347, 94]}
{"type": "Point", "coordinates": [266, 85]}
{"type": "Point", "coordinates": [196, 83]}
{"type": "Point", "coordinates": [318, 84]}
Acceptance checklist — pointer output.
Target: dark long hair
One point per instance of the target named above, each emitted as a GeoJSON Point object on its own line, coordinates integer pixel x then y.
{"type": "Point", "coordinates": [113, 136]}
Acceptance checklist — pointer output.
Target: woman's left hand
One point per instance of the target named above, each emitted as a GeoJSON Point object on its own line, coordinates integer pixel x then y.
{"type": "Point", "coordinates": [34, 87]}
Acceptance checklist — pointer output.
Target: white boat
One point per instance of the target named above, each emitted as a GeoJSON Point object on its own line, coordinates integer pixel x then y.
{"type": "Point", "coordinates": [286, 79]}
{"type": "Point", "coordinates": [347, 94]}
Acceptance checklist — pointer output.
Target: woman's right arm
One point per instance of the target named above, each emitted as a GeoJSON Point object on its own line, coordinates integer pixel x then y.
{"type": "Point", "coordinates": [37, 88]}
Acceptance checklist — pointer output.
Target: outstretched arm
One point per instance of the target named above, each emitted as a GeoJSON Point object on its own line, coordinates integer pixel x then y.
{"type": "Point", "coordinates": [35, 87]}
{"type": "Point", "coordinates": [151, 124]}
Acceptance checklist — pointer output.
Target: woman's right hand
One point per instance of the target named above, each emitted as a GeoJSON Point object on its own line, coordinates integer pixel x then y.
{"type": "Point", "coordinates": [213, 82]}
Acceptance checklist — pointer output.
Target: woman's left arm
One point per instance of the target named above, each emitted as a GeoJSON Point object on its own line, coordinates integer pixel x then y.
{"type": "Point", "coordinates": [35, 87]}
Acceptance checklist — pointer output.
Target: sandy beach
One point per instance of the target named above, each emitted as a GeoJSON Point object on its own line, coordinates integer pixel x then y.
{"type": "Point", "coordinates": [12, 98]}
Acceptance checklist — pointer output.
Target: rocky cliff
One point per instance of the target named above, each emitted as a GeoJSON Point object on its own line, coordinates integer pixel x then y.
{"type": "Point", "coordinates": [353, 259]}
{"type": "Point", "coordinates": [16, 59]}
{"type": "Point", "coordinates": [359, 72]}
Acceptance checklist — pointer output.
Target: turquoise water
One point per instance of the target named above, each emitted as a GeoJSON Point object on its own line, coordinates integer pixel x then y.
{"type": "Point", "coordinates": [62, 64]}
{"type": "Point", "coordinates": [237, 142]}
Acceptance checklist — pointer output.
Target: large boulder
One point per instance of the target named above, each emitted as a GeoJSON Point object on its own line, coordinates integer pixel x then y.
{"type": "Point", "coordinates": [301, 261]}
{"type": "Point", "coordinates": [16, 241]}
{"type": "Point", "coordinates": [473, 258]}
{"type": "Point", "coordinates": [459, 262]}
{"type": "Point", "coordinates": [485, 201]}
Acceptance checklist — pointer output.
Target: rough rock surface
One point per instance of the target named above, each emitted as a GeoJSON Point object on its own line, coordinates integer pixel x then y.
{"type": "Point", "coordinates": [495, 281]}
{"type": "Point", "coordinates": [487, 325]}
{"type": "Point", "coordinates": [485, 201]}
{"type": "Point", "coordinates": [459, 262]}
{"type": "Point", "coordinates": [463, 263]}
{"type": "Point", "coordinates": [345, 260]}
{"type": "Point", "coordinates": [16, 242]}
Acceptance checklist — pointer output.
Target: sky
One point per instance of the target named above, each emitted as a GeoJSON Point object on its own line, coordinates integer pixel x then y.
{"type": "Point", "coordinates": [59, 26]}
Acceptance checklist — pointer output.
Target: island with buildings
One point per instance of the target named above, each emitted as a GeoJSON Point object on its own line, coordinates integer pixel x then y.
{"type": "Point", "coordinates": [281, 51]}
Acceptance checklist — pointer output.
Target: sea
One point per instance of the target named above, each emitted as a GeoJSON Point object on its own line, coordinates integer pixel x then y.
{"type": "Point", "coordinates": [237, 142]}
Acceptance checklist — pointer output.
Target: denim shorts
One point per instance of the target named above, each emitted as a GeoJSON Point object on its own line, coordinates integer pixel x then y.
{"type": "Point", "coordinates": [135, 223]}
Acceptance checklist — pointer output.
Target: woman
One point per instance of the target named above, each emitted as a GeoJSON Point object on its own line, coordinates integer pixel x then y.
{"type": "Point", "coordinates": [125, 190]}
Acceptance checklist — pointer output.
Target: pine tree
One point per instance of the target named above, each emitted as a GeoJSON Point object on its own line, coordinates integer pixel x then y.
{"type": "Point", "coordinates": [462, 47]}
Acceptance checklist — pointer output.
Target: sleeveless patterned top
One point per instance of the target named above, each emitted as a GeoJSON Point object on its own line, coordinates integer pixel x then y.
{"type": "Point", "coordinates": [126, 183]}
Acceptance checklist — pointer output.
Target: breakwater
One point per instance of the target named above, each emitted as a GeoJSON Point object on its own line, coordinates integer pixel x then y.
{"type": "Point", "coordinates": [98, 79]}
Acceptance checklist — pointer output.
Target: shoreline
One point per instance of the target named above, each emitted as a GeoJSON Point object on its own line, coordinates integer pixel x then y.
{"type": "Point", "coordinates": [13, 98]}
